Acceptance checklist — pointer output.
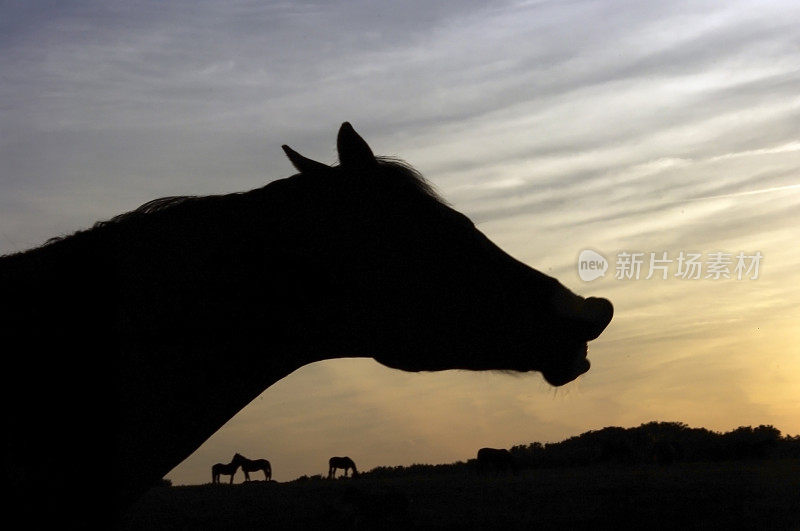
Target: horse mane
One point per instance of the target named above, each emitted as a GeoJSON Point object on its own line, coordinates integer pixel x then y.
{"type": "Point", "coordinates": [396, 176]}
{"type": "Point", "coordinates": [151, 207]}
{"type": "Point", "coordinates": [407, 176]}
{"type": "Point", "coordinates": [393, 172]}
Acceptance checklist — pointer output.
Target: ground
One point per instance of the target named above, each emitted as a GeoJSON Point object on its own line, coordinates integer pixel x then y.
{"type": "Point", "coordinates": [730, 495]}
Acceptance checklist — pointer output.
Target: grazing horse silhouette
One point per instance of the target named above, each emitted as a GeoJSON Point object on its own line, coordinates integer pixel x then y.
{"type": "Point", "coordinates": [497, 459]}
{"type": "Point", "coordinates": [147, 332]}
{"type": "Point", "coordinates": [345, 463]}
{"type": "Point", "coordinates": [225, 470]}
{"type": "Point", "coordinates": [249, 465]}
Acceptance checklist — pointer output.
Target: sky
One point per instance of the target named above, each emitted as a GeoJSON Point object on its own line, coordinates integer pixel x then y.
{"type": "Point", "coordinates": [557, 127]}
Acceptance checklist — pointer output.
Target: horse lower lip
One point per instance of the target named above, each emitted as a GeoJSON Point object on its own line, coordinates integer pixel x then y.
{"type": "Point", "coordinates": [579, 366]}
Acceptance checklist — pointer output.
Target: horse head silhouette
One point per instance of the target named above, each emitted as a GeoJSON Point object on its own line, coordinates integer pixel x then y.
{"type": "Point", "coordinates": [435, 292]}
{"type": "Point", "coordinates": [151, 330]}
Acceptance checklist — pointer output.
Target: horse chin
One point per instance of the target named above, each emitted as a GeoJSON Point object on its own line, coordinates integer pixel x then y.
{"type": "Point", "coordinates": [565, 373]}
{"type": "Point", "coordinates": [559, 378]}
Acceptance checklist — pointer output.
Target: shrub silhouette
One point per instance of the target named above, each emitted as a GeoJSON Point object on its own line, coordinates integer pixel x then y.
{"type": "Point", "coordinates": [652, 443]}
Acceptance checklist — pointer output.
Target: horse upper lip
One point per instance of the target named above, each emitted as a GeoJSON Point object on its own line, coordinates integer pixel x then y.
{"type": "Point", "coordinates": [585, 318]}
{"type": "Point", "coordinates": [601, 311]}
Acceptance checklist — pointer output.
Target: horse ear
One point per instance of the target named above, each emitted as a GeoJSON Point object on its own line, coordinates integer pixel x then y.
{"type": "Point", "coordinates": [354, 152]}
{"type": "Point", "coordinates": [303, 164]}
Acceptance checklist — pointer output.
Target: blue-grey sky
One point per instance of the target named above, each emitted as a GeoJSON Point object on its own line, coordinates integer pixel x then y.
{"type": "Point", "coordinates": [557, 126]}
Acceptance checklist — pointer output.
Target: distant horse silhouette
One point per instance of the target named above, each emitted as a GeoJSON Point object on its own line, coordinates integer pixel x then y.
{"type": "Point", "coordinates": [147, 332]}
{"type": "Point", "coordinates": [224, 470]}
{"type": "Point", "coordinates": [497, 459]}
{"type": "Point", "coordinates": [344, 463]}
{"type": "Point", "coordinates": [249, 465]}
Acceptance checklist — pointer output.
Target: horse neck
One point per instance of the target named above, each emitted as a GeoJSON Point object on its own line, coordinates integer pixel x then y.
{"type": "Point", "coordinates": [249, 265]}
{"type": "Point", "coordinates": [54, 288]}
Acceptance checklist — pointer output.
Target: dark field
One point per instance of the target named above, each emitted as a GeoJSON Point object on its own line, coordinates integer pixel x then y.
{"type": "Point", "coordinates": [729, 495]}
